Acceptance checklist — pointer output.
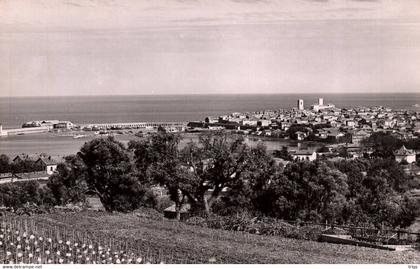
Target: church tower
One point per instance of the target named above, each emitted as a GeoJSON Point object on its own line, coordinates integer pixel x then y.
{"type": "Point", "coordinates": [300, 104]}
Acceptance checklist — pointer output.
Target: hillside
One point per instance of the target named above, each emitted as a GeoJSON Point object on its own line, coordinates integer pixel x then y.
{"type": "Point", "coordinates": [180, 243]}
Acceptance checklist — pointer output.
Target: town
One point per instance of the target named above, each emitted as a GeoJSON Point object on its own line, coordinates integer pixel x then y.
{"type": "Point", "coordinates": [320, 131]}
{"type": "Point", "coordinates": [339, 130]}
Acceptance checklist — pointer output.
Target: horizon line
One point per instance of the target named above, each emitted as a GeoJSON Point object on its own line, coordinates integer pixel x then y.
{"type": "Point", "coordinates": [213, 94]}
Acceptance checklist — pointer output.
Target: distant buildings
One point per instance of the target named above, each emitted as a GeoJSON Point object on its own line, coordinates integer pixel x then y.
{"type": "Point", "coordinates": [404, 154]}
{"type": "Point", "coordinates": [29, 130]}
{"type": "Point", "coordinates": [44, 162]}
{"type": "Point", "coordinates": [304, 155]}
{"type": "Point", "coordinates": [48, 164]}
{"type": "Point", "coordinates": [45, 123]}
{"type": "Point", "coordinates": [32, 127]}
{"type": "Point", "coordinates": [359, 136]}
{"type": "Point", "coordinates": [316, 107]}
{"type": "Point", "coordinates": [63, 125]}
{"type": "Point", "coordinates": [168, 126]}
{"type": "Point", "coordinates": [300, 104]}
{"type": "Point", "coordinates": [321, 106]}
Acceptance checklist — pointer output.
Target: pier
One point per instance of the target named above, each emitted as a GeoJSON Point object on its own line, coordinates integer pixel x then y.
{"type": "Point", "coordinates": [19, 131]}
{"type": "Point", "coordinates": [138, 125]}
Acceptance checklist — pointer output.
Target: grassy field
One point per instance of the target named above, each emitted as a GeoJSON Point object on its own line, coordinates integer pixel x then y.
{"type": "Point", "coordinates": [180, 243]}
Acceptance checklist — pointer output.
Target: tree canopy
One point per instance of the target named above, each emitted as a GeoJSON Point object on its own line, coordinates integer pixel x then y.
{"type": "Point", "coordinates": [110, 174]}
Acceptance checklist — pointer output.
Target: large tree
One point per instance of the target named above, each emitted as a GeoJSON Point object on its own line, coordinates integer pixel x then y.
{"type": "Point", "coordinates": [157, 157]}
{"type": "Point", "coordinates": [377, 193]}
{"type": "Point", "coordinates": [309, 191]}
{"type": "Point", "coordinates": [384, 144]}
{"type": "Point", "coordinates": [218, 162]}
{"type": "Point", "coordinates": [200, 172]}
{"type": "Point", "coordinates": [69, 184]}
{"type": "Point", "coordinates": [110, 175]}
{"type": "Point", "coordinates": [250, 192]}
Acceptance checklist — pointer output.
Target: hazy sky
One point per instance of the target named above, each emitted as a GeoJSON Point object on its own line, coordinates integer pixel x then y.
{"type": "Point", "coordinates": [78, 47]}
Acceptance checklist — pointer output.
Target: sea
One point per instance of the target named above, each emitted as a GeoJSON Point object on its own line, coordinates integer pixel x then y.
{"type": "Point", "coordinates": [14, 111]}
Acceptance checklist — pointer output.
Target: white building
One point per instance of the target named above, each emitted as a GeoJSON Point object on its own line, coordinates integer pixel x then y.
{"type": "Point", "coordinates": [321, 106]}
{"type": "Point", "coordinates": [405, 154]}
{"type": "Point", "coordinates": [250, 122]}
{"type": "Point", "coordinates": [264, 123]}
{"type": "Point", "coordinates": [49, 164]}
{"type": "Point", "coordinates": [2, 133]}
{"type": "Point", "coordinates": [304, 155]}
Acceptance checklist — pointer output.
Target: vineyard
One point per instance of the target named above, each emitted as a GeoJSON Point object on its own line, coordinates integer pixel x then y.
{"type": "Point", "coordinates": [24, 240]}
{"type": "Point", "coordinates": [99, 237]}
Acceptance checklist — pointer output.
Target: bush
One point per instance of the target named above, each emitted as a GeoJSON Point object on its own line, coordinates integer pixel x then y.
{"type": "Point", "coordinates": [31, 209]}
{"type": "Point", "coordinates": [148, 213]}
{"type": "Point", "coordinates": [16, 195]}
{"type": "Point", "coordinates": [258, 225]}
{"type": "Point", "coordinates": [198, 221]}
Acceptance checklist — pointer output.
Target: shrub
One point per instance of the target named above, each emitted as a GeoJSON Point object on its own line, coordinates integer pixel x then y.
{"type": "Point", "coordinates": [148, 213]}
{"type": "Point", "coordinates": [198, 221]}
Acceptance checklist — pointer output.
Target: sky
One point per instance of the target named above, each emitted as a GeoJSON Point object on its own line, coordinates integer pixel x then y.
{"type": "Point", "coordinates": [105, 47]}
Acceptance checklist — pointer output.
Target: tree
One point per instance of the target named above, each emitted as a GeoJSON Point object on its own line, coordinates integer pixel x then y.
{"type": "Point", "coordinates": [310, 191]}
{"type": "Point", "coordinates": [200, 172]}
{"type": "Point", "coordinates": [249, 193]}
{"type": "Point", "coordinates": [25, 166]}
{"type": "Point", "coordinates": [283, 153]}
{"type": "Point", "coordinates": [343, 152]}
{"type": "Point", "coordinates": [111, 176]}
{"type": "Point", "coordinates": [4, 163]}
{"type": "Point", "coordinates": [161, 129]}
{"type": "Point", "coordinates": [323, 149]}
{"type": "Point", "coordinates": [158, 158]}
{"type": "Point", "coordinates": [217, 162]}
{"type": "Point", "coordinates": [389, 169]}
{"type": "Point", "coordinates": [384, 144]}
{"type": "Point", "coordinates": [69, 184]}
{"type": "Point", "coordinates": [17, 194]}
{"type": "Point", "coordinates": [297, 128]}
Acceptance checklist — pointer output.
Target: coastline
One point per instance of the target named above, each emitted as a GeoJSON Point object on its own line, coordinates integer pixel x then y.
{"type": "Point", "coordinates": [63, 145]}
{"type": "Point", "coordinates": [171, 108]}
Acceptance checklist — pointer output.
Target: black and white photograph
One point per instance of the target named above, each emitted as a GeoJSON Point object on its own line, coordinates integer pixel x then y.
{"type": "Point", "coordinates": [209, 132]}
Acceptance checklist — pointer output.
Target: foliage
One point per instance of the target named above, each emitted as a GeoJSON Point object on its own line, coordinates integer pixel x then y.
{"type": "Point", "coordinates": [16, 195]}
{"type": "Point", "coordinates": [384, 144]}
{"type": "Point", "coordinates": [110, 175]}
{"type": "Point", "coordinates": [68, 184]}
{"type": "Point", "coordinates": [199, 172]}
{"type": "Point", "coordinates": [246, 222]}
{"type": "Point", "coordinates": [248, 193]}
{"type": "Point", "coordinates": [375, 190]}
{"type": "Point", "coordinates": [157, 157]}
{"type": "Point", "coordinates": [283, 153]}
{"type": "Point", "coordinates": [294, 128]}
{"type": "Point", "coordinates": [343, 152]}
{"type": "Point", "coordinates": [310, 191]}
{"type": "Point", "coordinates": [218, 163]}
{"type": "Point", "coordinates": [24, 166]}
{"type": "Point", "coordinates": [220, 174]}
{"type": "Point", "coordinates": [4, 164]}
{"type": "Point", "coordinates": [323, 149]}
